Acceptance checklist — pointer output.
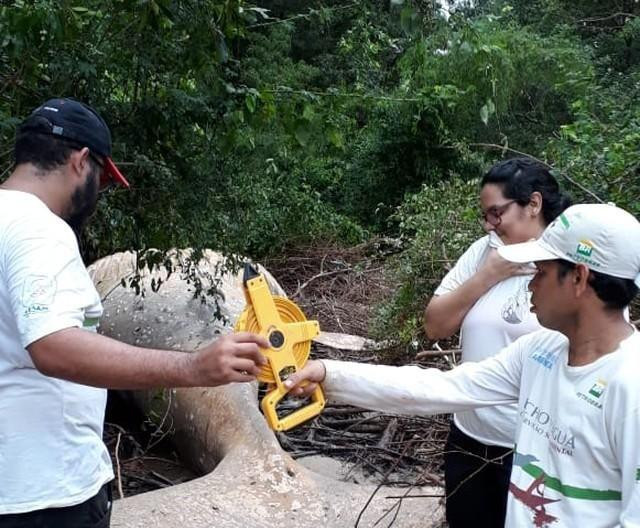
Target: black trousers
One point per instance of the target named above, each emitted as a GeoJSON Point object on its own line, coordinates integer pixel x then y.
{"type": "Point", "coordinates": [93, 513]}
{"type": "Point", "coordinates": [476, 479]}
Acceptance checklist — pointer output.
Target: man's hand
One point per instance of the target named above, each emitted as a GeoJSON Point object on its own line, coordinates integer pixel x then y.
{"type": "Point", "coordinates": [85, 357]}
{"type": "Point", "coordinates": [305, 381]}
{"type": "Point", "coordinates": [234, 357]}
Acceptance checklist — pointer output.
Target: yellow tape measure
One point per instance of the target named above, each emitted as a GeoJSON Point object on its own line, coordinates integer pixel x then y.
{"type": "Point", "coordinates": [289, 333]}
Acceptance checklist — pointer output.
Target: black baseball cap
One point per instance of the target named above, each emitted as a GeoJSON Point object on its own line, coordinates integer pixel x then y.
{"type": "Point", "coordinates": [79, 123]}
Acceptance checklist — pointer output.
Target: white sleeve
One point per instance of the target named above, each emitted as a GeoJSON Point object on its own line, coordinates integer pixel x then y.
{"type": "Point", "coordinates": [47, 282]}
{"type": "Point", "coordinates": [626, 427]}
{"type": "Point", "coordinates": [466, 266]}
{"type": "Point", "coordinates": [413, 390]}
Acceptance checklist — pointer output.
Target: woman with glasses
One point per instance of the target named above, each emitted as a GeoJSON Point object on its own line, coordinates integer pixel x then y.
{"type": "Point", "coordinates": [486, 299]}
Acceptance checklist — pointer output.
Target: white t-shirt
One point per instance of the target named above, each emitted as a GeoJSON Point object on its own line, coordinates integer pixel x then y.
{"type": "Point", "coordinates": [51, 449]}
{"type": "Point", "coordinates": [576, 462]}
{"type": "Point", "coordinates": [496, 320]}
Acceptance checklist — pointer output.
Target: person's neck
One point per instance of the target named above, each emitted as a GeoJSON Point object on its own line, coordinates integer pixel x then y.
{"type": "Point", "coordinates": [45, 185]}
{"type": "Point", "coordinates": [595, 335]}
{"type": "Point", "coordinates": [538, 229]}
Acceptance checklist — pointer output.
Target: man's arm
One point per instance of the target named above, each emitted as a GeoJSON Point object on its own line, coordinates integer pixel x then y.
{"type": "Point", "coordinates": [413, 390]}
{"type": "Point", "coordinates": [92, 359]}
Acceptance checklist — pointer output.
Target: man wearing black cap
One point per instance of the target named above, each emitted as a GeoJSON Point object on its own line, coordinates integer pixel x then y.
{"type": "Point", "coordinates": [54, 468]}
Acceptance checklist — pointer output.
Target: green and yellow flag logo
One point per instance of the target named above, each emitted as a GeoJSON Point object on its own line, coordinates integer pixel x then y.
{"type": "Point", "coordinates": [585, 248]}
{"type": "Point", "coordinates": [598, 388]}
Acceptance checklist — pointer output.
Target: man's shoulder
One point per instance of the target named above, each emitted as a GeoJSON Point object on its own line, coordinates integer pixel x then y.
{"type": "Point", "coordinates": [23, 215]}
{"type": "Point", "coordinates": [544, 337]}
{"type": "Point", "coordinates": [543, 346]}
{"type": "Point", "coordinates": [627, 360]}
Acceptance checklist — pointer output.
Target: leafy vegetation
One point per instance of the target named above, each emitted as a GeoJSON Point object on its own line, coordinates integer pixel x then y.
{"type": "Point", "coordinates": [252, 128]}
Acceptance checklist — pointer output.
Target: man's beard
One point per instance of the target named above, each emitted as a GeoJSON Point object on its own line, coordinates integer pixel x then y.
{"type": "Point", "coordinates": [83, 202]}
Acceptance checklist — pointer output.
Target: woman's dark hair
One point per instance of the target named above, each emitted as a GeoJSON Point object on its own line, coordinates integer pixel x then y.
{"type": "Point", "coordinates": [616, 293]}
{"type": "Point", "coordinates": [519, 178]}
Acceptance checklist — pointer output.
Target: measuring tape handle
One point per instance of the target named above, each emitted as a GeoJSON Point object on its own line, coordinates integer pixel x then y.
{"type": "Point", "coordinates": [271, 400]}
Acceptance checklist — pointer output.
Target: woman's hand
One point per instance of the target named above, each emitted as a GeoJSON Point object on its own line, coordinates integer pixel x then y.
{"type": "Point", "coordinates": [496, 269]}
{"type": "Point", "coordinates": [444, 313]}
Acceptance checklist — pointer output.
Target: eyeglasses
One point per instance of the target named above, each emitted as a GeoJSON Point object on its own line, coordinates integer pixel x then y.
{"type": "Point", "coordinates": [106, 183]}
{"type": "Point", "coordinates": [493, 215]}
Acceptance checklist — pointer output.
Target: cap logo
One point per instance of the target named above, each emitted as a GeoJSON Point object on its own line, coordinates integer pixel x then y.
{"type": "Point", "coordinates": [585, 248]}
{"type": "Point", "coordinates": [51, 109]}
{"type": "Point", "coordinates": [58, 130]}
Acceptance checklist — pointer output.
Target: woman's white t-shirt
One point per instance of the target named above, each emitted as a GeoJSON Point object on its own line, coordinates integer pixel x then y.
{"type": "Point", "coordinates": [496, 320]}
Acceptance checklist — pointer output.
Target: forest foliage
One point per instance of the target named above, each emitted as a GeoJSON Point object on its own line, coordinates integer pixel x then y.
{"type": "Point", "coordinates": [251, 128]}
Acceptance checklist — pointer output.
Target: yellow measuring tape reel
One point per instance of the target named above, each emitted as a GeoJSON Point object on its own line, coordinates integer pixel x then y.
{"type": "Point", "coordinates": [289, 333]}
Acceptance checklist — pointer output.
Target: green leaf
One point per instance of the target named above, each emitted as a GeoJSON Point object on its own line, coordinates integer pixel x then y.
{"type": "Point", "coordinates": [308, 112]}
{"type": "Point", "coordinates": [302, 132]}
{"type": "Point", "coordinates": [484, 114]}
{"type": "Point", "coordinates": [250, 102]}
{"type": "Point", "coordinates": [335, 137]}
{"type": "Point", "coordinates": [264, 13]}
{"type": "Point", "coordinates": [409, 20]}
{"type": "Point", "coordinates": [466, 47]}
{"type": "Point", "coordinates": [222, 51]}
{"type": "Point", "coordinates": [487, 110]}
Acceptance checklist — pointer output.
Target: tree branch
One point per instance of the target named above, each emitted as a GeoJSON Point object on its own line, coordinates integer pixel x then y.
{"type": "Point", "coordinates": [504, 148]}
{"type": "Point", "coordinates": [602, 19]}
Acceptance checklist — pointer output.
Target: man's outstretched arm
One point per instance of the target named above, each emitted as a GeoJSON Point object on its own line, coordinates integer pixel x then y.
{"type": "Point", "coordinates": [412, 390]}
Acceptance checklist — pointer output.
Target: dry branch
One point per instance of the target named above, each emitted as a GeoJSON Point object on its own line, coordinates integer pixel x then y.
{"type": "Point", "coordinates": [437, 353]}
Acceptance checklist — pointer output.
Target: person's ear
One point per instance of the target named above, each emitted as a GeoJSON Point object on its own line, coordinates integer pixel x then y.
{"type": "Point", "coordinates": [79, 161]}
{"type": "Point", "coordinates": [580, 278]}
{"type": "Point", "coordinates": [535, 203]}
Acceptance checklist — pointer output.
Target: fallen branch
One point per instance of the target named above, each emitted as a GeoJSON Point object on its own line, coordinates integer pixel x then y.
{"type": "Point", "coordinates": [388, 433]}
{"type": "Point", "coordinates": [120, 493]}
{"type": "Point", "coordinates": [437, 353]}
{"type": "Point", "coordinates": [318, 276]}
{"type": "Point", "coordinates": [424, 496]}
{"type": "Point", "coordinates": [162, 478]}
{"type": "Point", "coordinates": [389, 471]}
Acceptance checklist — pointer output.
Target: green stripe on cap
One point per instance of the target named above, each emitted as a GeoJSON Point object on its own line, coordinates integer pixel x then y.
{"type": "Point", "coordinates": [573, 492]}
{"type": "Point", "coordinates": [564, 221]}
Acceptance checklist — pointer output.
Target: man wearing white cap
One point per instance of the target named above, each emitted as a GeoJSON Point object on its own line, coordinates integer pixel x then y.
{"type": "Point", "coordinates": [576, 460]}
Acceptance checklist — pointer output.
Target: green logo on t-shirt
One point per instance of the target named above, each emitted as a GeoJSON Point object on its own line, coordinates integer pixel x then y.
{"type": "Point", "coordinates": [598, 388]}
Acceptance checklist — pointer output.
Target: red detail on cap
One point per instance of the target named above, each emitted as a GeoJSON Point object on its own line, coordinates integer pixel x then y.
{"type": "Point", "coordinates": [114, 173]}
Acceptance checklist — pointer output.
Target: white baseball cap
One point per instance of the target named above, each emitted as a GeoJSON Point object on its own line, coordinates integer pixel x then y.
{"type": "Point", "coordinates": [602, 236]}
